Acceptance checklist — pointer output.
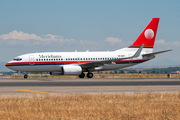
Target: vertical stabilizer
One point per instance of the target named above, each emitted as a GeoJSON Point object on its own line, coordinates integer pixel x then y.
{"type": "Point", "coordinates": [147, 37]}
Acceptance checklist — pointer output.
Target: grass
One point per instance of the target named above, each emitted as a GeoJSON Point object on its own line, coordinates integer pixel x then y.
{"type": "Point", "coordinates": [156, 106]}
{"type": "Point", "coordinates": [104, 76]}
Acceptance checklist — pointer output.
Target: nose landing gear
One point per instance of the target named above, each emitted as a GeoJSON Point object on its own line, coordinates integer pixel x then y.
{"type": "Point", "coordinates": [25, 76]}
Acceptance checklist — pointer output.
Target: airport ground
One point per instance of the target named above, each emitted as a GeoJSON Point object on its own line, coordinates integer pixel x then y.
{"type": "Point", "coordinates": [95, 85]}
{"type": "Point", "coordinates": [99, 76]}
{"type": "Point", "coordinates": [96, 98]}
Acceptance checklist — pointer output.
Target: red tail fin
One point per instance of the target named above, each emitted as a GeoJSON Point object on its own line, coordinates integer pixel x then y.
{"type": "Point", "coordinates": [147, 37]}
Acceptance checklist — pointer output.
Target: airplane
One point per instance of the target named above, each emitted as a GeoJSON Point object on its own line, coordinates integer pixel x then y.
{"type": "Point", "coordinates": [77, 63]}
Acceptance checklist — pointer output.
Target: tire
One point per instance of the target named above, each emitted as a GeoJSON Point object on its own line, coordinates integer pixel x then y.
{"type": "Point", "coordinates": [25, 76]}
{"type": "Point", "coordinates": [82, 75]}
{"type": "Point", "coordinates": [90, 75]}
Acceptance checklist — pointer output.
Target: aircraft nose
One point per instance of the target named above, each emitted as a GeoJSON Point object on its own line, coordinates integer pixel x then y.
{"type": "Point", "coordinates": [8, 64]}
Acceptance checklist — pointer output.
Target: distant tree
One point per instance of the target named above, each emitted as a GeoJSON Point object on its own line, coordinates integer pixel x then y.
{"type": "Point", "coordinates": [122, 72]}
{"type": "Point", "coordinates": [153, 72]}
{"type": "Point", "coordinates": [110, 72]}
{"type": "Point", "coordinates": [134, 71]}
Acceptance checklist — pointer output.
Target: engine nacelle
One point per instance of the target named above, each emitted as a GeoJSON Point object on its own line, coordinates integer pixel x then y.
{"type": "Point", "coordinates": [55, 73]}
{"type": "Point", "coordinates": [71, 70]}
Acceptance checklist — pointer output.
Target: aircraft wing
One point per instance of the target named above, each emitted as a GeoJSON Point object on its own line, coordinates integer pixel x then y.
{"type": "Point", "coordinates": [101, 63]}
{"type": "Point", "coordinates": [155, 53]}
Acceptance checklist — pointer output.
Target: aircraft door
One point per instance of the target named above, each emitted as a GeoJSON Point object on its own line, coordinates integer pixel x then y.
{"type": "Point", "coordinates": [31, 59]}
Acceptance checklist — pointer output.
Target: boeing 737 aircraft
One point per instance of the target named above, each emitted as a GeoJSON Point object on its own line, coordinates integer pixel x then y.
{"type": "Point", "coordinates": [76, 63]}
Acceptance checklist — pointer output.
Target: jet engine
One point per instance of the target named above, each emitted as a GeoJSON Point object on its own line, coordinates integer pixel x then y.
{"type": "Point", "coordinates": [55, 73]}
{"type": "Point", "coordinates": [68, 70]}
{"type": "Point", "coordinates": [71, 70]}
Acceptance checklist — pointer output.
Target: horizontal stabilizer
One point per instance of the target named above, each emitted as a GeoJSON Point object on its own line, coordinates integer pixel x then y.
{"type": "Point", "coordinates": [155, 53]}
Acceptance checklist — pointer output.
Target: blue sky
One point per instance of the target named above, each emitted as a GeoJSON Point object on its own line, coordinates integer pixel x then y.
{"type": "Point", "coordinates": [86, 25]}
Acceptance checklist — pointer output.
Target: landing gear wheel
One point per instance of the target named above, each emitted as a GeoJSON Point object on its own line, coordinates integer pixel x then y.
{"type": "Point", "coordinates": [90, 75]}
{"type": "Point", "coordinates": [25, 76]}
{"type": "Point", "coordinates": [82, 75]}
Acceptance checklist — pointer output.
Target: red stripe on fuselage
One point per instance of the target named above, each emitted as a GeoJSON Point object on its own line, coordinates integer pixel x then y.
{"type": "Point", "coordinates": [67, 62]}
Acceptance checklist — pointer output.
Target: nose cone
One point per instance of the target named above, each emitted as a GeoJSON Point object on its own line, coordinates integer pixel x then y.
{"type": "Point", "coordinates": [8, 64]}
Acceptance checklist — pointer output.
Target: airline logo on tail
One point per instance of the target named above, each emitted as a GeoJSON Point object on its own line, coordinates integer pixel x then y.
{"type": "Point", "coordinates": [147, 37]}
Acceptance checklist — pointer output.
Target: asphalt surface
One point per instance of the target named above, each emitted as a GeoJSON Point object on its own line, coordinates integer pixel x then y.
{"type": "Point", "coordinates": [105, 85]}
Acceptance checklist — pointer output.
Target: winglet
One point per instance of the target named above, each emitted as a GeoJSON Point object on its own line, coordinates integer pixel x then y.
{"type": "Point", "coordinates": [138, 51]}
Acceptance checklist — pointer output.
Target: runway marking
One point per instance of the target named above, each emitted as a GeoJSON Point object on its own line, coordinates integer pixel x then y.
{"type": "Point", "coordinates": [32, 91]}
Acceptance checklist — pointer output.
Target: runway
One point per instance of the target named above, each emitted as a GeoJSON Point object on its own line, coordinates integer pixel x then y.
{"type": "Point", "coordinates": [75, 86]}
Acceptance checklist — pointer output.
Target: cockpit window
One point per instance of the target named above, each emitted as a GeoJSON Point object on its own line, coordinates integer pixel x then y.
{"type": "Point", "coordinates": [17, 59]}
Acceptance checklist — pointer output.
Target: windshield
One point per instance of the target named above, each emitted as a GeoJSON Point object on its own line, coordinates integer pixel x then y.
{"type": "Point", "coordinates": [17, 59]}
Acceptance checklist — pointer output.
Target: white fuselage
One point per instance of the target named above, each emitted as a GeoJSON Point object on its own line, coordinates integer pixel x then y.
{"type": "Point", "coordinates": [53, 61]}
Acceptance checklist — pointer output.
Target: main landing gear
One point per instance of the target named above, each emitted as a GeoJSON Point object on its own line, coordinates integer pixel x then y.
{"type": "Point", "coordinates": [82, 75]}
{"type": "Point", "coordinates": [89, 75]}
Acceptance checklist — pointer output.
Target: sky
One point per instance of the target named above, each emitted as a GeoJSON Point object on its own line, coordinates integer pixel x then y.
{"type": "Point", "coordinates": [28, 26]}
